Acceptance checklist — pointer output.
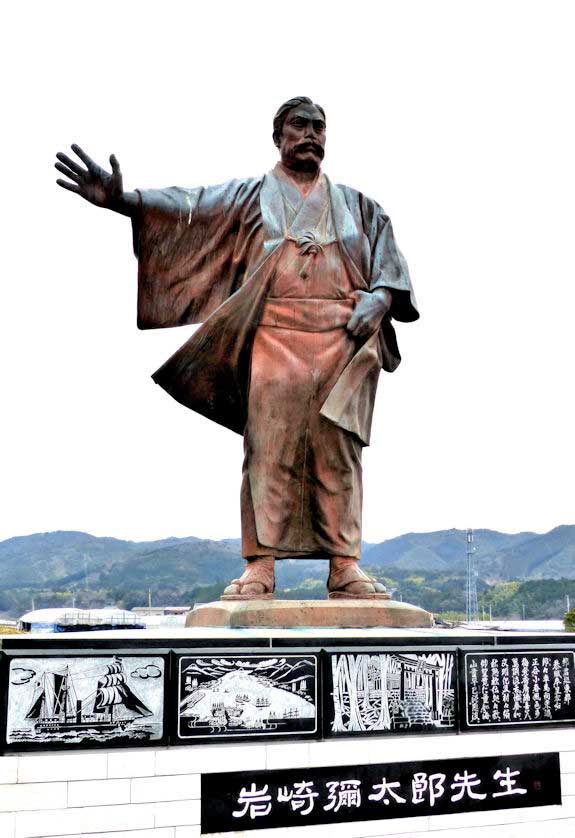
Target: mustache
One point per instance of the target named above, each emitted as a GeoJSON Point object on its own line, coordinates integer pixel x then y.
{"type": "Point", "coordinates": [308, 145]}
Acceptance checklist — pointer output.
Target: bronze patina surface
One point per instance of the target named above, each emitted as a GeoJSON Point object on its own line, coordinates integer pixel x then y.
{"type": "Point", "coordinates": [293, 613]}
{"type": "Point", "coordinates": [296, 281]}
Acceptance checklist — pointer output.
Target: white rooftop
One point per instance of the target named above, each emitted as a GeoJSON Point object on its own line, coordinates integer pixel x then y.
{"type": "Point", "coordinates": [76, 616]}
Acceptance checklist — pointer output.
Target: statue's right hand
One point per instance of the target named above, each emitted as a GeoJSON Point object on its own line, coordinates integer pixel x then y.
{"type": "Point", "coordinates": [93, 183]}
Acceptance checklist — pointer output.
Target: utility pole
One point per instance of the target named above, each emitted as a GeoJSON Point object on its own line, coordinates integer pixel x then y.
{"type": "Point", "coordinates": [567, 603]}
{"type": "Point", "coordinates": [523, 609]}
{"type": "Point", "coordinates": [149, 597]}
{"type": "Point", "coordinates": [471, 607]}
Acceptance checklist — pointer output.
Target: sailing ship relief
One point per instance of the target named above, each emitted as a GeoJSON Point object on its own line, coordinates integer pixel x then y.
{"type": "Point", "coordinates": [76, 700]}
{"type": "Point", "coordinates": [249, 695]}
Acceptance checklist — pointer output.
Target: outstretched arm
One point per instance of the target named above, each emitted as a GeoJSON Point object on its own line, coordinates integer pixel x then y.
{"type": "Point", "coordinates": [95, 184]}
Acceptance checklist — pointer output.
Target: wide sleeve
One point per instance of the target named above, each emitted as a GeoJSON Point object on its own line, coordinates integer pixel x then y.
{"type": "Point", "coordinates": [388, 268]}
{"type": "Point", "coordinates": [189, 244]}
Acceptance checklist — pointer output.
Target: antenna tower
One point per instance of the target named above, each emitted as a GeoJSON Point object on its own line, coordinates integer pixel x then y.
{"type": "Point", "coordinates": [471, 607]}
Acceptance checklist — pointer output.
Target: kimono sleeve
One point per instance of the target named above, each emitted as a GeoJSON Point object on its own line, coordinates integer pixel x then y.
{"type": "Point", "coordinates": [187, 243]}
{"type": "Point", "coordinates": [389, 268]}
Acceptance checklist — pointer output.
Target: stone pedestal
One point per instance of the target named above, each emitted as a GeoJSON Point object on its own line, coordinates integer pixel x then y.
{"type": "Point", "coordinates": [290, 613]}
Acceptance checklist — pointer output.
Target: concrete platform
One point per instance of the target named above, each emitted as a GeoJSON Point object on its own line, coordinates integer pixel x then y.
{"type": "Point", "coordinates": [292, 613]}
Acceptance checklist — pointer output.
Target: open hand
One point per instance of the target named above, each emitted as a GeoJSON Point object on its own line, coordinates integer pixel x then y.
{"type": "Point", "coordinates": [93, 183]}
{"type": "Point", "coordinates": [369, 311]}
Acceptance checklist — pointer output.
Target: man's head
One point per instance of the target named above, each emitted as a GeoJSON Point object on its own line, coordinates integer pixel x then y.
{"type": "Point", "coordinates": [299, 133]}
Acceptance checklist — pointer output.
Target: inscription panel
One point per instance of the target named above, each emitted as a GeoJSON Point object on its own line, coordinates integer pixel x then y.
{"type": "Point", "coordinates": [517, 688]}
{"type": "Point", "coordinates": [285, 798]}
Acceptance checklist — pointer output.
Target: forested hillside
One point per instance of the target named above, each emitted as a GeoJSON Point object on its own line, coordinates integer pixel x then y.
{"type": "Point", "coordinates": [517, 573]}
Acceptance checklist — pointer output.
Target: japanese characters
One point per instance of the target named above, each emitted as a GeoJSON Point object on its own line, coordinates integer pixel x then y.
{"type": "Point", "coordinates": [505, 688]}
{"type": "Point", "coordinates": [372, 792]}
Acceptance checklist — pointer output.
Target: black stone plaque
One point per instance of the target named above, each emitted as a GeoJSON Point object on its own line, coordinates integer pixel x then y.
{"type": "Point", "coordinates": [60, 701]}
{"type": "Point", "coordinates": [391, 691]}
{"type": "Point", "coordinates": [299, 797]}
{"type": "Point", "coordinates": [236, 696]}
{"type": "Point", "coordinates": [517, 688]}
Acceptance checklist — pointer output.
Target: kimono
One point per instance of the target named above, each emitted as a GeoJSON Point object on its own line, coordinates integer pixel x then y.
{"type": "Point", "coordinates": [270, 276]}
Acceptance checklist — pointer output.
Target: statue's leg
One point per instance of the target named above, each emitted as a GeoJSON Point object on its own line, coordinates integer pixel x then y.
{"type": "Point", "coordinates": [256, 582]}
{"type": "Point", "coordinates": [347, 580]}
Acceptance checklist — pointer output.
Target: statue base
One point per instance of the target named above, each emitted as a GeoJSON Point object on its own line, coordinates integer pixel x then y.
{"type": "Point", "coordinates": [291, 613]}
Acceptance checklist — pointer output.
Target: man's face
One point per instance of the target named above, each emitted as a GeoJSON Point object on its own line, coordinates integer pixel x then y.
{"type": "Point", "coordinates": [302, 140]}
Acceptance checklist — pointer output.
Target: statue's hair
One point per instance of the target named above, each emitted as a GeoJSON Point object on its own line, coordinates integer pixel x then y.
{"type": "Point", "coordinates": [284, 109]}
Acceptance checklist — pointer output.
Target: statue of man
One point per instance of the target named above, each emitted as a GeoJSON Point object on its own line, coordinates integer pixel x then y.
{"type": "Point", "coordinates": [296, 282]}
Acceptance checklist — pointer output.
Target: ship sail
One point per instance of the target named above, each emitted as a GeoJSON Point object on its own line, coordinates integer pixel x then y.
{"type": "Point", "coordinates": [60, 693]}
{"type": "Point", "coordinates": [111, 680]}
{"type": "Point", "coordinates": [53, 698]}
{"type": "Point", "coordinates": [133, 703]}
{"type": "Point", "coordinates": [35, 710]}
{"type": "Point", "coordinates": [112, 690]}
{"type": "Point", "coordinates": [56, 707]}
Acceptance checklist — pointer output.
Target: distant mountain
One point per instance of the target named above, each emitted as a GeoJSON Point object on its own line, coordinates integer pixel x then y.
{"type": "Point", "coordinates": [501, 556]}
{"type": "Point", "coordinates": [191, 563]}
{"type": "Point", "coordinates": [548, 556]}
{"type": "Point", "coordinates": [44, 558]}
{"type": "Point", "coordinates": [446, 550]}
{"type": "Point", "coordinates": [52, 568]}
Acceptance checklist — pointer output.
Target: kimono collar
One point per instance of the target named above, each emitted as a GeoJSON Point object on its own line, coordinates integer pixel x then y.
{"type": "Point", "coordinates": [272, 207]}
{"type": "Point", "coordinates": [290, 189]}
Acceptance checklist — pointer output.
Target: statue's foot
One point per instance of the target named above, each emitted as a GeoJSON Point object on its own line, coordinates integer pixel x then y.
{"type": "Point", "coordinates": [256, 582]}
{"type": "Point", "coordinates": [348, 581]}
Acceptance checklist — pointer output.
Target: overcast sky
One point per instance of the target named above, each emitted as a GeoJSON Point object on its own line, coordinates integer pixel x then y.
{"type": "Point", "coordinates": [456, 116]}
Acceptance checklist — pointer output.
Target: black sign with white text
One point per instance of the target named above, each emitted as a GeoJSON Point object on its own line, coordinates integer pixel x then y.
{"type": "Point", "coordinates": [517, 688]}
{"type": "Point", "coordinates": [296, 797]}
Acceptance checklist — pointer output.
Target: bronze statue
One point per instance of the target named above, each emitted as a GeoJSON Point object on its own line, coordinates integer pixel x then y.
{"type": "Point", "coordinates": [296, 282]}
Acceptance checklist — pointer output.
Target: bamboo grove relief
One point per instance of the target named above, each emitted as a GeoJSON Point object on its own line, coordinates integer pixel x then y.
{"type": "Point", "coordinates": [387, 692]}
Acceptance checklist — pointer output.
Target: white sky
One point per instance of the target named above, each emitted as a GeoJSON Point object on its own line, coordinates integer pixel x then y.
{"type": "Point", "coordinates": [456, 116]}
